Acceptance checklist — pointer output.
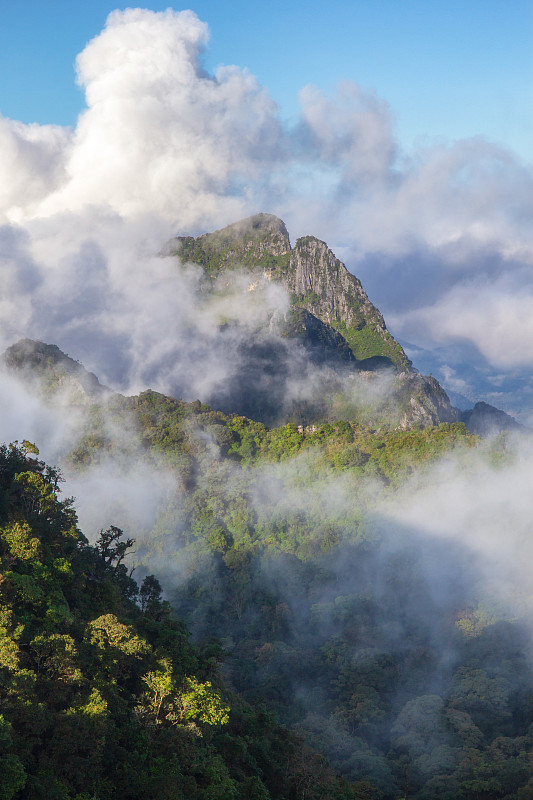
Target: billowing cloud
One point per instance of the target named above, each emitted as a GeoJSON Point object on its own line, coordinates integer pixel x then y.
{"type": "Point", "coordinates": [352, 133]}
{"type": "Point", "coordinates": [495, 318]}
{"type": "Point", "coordinates": [159, 133]}
{"type": "Point", "coordinates": [32, 164]}
{"type": "Point", "coordinates": [442, 239]}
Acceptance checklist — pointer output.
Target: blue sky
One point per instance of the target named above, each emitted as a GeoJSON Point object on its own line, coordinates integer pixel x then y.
{"type": "Point", "coordinates": [451, 69]}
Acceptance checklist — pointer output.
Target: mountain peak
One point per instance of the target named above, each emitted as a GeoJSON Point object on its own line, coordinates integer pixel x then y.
{"type": "Point", "coordinates": [315, 278]}
{"type": "Point", "coordinates": [486, 420]}
{"type": "Point", "coordinates": [259, 229]}
{"type": "Point", "coordinates": [330, 315]}
{"type": "Point", "coordinates": [252, 242]}
{"type": "Point", "coordinates": [255, 226]}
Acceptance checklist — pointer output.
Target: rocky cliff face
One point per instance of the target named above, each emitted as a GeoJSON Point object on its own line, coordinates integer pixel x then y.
{"type": "Point", "coordinates": [321, 283]}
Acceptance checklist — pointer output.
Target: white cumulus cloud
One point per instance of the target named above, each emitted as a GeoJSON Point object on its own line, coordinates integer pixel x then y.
{"type": "Point", "coordinates": [442, 238]}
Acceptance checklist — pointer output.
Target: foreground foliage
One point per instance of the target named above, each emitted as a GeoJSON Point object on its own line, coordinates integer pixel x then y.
{"type": "Point", "coordinates": [102, 695]}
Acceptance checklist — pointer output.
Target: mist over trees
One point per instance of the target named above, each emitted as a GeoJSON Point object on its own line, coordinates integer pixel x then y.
{"type": "Point", "coordinates": [102, 693]}
{"type": "Point", "coordinates": [312, 600]}
{"type": "Point", "coordinates": [390, 662]}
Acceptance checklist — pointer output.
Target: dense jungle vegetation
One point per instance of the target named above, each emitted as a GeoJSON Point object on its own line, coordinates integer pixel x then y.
{"type": "Point", "coordinates": [378, 648]}
{"type": "Point", "coordinates": [102, 694]}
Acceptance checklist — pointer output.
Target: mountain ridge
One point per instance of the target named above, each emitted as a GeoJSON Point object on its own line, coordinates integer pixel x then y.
{"type": "Point", "coordinates": [328, 322]}
{"type": "Point", "coordinates": [315, 278]}
{"type": "Point", "coordinates": [330, 307]}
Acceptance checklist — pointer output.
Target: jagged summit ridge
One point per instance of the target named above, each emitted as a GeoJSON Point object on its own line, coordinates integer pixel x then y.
{"type": "Point", "coordinates": [315, 278]}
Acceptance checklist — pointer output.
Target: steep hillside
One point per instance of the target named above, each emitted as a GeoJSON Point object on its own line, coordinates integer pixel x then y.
{"type": "Point", "coordinates": [101, 692]}
{"type": "Point", "coordinates": [394, 668]}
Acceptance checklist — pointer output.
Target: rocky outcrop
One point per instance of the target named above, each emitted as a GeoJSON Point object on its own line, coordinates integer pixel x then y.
{"type": "Point", "coordinates": [55, 373]}
{"type": "Point", "coordinates": [423, 400]}
{"type": "Point", "coordinates": [486, 420]}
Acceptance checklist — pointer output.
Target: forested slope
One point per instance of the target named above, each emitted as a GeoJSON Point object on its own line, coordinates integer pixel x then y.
{"type": "Point", "coordinates": [382, 648]}
{"type": "Point", "coordinates": [102, 694]}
